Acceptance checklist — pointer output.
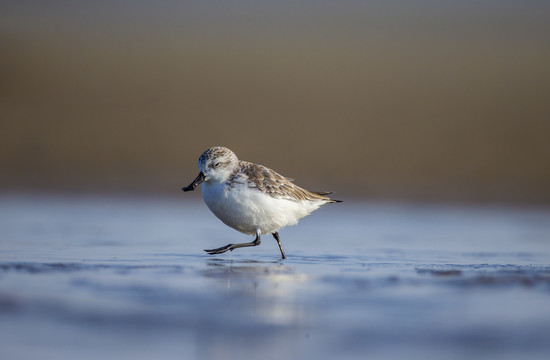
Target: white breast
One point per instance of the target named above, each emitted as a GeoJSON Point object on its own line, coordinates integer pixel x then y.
{"type": "Point", "coordinates": [246, 209]}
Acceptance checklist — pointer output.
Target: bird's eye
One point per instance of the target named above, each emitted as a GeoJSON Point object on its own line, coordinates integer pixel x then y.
{"type": "Point", "coordinates": [216, 164]}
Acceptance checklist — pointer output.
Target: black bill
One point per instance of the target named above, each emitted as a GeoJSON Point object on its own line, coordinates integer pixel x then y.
{"type": "Point", "coordinates": [195, 183]}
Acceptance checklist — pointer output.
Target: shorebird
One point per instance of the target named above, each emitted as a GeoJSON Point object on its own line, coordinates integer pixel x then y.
{"type": "Point", "coordinates": [251, 198]}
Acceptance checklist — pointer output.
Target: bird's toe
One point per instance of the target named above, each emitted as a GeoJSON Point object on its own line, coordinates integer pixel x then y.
{"type": "Point", "coordinates": [219, 250]}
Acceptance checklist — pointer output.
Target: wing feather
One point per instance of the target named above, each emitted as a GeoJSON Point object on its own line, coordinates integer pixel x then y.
{"type": "Point", "coordinates": [266, 180]}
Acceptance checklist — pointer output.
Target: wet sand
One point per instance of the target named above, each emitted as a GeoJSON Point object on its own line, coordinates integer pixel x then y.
{"type": "Point", "coordinates": [120, 277]}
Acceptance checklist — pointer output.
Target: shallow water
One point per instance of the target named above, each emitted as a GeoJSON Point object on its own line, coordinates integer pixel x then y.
{"type": "Point", "coordinates": [94, 277]}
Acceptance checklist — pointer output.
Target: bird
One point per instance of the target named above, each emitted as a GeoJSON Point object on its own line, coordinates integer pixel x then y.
{"type": "Point", "coordinates": [251, 198]}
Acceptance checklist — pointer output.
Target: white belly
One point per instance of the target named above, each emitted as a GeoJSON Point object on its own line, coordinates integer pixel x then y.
{"type": "Point", "coordinates": [248, 210]}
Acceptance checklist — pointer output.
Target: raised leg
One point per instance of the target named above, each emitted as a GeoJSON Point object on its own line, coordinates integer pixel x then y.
{"type": "Point", "coordinates": [231, 247]}
{"type": "Point", "coordinates": [276, 236]}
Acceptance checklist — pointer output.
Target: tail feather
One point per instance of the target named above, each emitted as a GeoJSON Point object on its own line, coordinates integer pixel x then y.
{"type": "Point", "coordinates": [325, 193]}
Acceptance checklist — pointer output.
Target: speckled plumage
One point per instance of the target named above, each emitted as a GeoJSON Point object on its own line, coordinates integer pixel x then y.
{"type": "Point", "coordinates": [269, 182]}
{"type": "Point", "coordinates": [252, 198]}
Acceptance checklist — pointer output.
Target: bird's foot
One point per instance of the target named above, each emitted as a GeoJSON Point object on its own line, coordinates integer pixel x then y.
{"type": "Point", "coordinates": [220, 250]}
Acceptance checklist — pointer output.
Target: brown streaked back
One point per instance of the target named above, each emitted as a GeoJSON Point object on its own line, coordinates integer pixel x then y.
{"type": "Point", "coordinates": [270, 182]}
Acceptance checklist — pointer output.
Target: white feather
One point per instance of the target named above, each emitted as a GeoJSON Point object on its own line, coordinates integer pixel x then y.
{"type": "Point", "coordinates": [247, 209]}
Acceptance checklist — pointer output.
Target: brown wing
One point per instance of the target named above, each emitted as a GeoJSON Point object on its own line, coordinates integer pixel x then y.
{"type": "Point", "coordinates": [276, 185]}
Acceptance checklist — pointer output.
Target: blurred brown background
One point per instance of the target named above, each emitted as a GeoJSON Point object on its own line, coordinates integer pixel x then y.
{"type": "Point", "coordinates": [414, 100]}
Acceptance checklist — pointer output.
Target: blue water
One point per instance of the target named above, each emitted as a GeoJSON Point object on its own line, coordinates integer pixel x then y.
{"type": "Point", "coordinates": [120, 277]}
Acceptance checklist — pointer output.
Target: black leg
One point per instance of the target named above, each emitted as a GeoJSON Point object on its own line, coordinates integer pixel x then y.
{"type": "Point", "coordinates": [276, 236]}
{"type": "Point", "coordinates": [231, 247]}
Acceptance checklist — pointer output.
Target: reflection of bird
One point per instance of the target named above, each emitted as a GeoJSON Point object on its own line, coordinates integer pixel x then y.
{"type": "Point", "coordinates": [251, 198]}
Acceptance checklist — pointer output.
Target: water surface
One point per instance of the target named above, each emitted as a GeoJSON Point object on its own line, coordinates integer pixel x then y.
{"type": "Point", "coordinates": [120, 277]}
